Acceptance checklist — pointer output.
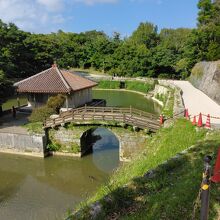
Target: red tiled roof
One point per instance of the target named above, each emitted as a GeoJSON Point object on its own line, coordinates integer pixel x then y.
{"type": "Point", "coordinates": [54, 80]}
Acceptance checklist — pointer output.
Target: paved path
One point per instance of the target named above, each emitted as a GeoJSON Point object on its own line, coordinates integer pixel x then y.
{"type": "Point", "coordinates": [10, 125]}
{"type": "Point", "coordinates": [196, 102]}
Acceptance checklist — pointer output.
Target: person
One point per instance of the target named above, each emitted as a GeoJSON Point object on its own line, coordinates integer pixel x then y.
{"type": "Point", "coordinates": [13, 112]}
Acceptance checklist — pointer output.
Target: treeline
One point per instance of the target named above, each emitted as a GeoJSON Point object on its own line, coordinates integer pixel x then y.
{"type": "Point", "coordinates": [169, 53]}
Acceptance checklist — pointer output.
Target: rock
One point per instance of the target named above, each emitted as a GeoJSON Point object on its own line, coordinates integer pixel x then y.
{"type": "Point", "coordinates": [54, 116]}
{"type": "Point", "coordinates": [160, 90]}
{"type": "Point", "coordinates": [96, 208]}
{"type": "Point", "coordinates": [150, 174]}
{"type": "Point", "coordinates": [205, 74]}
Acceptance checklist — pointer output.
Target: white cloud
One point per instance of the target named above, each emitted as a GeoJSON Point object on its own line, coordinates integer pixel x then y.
{"type": "Point", "coordinates": [92, 2]}
{"type": "Point", "coordinates": [58, 19]}
{"type": "Point", "coordinates": [53, 5]}
{"type": "Point", "coordinates": [159, 2]}
{"type": "Point", "coordinates": [40, 15]}
{"type": "Point", "coordinates": [32, 15]}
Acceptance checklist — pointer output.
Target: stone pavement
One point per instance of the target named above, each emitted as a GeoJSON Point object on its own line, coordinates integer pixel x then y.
{"type": "Point", "coordinates": [10, 125]}
{"type": "Point", "coordinates": [196, 101]}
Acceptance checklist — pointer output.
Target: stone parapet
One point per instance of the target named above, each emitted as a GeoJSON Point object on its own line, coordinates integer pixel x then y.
{"type": "Point", "coordinates": [32, 145]}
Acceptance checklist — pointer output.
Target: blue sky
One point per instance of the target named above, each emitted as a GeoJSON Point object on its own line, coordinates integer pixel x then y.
{"type": "Point", "coordinates": [44, 16]}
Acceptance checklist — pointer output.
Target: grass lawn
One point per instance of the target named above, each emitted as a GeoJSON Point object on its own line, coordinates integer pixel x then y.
{"type": "Point", "coordinates": [13, 102]}
{"type": "Point", "coordinates": [171, 191]}
{"type": "Point", "coordinates": [35, 127]}
{"type": "Point", "coordinates": [129, 85]}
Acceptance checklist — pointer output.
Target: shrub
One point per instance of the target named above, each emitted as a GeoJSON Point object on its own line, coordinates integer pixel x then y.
{"type": "Point", "coordinates": [106, 84]}
{"type": "Point", "coordinates": [53, 106]}
{"type": "Point", "coordinates": [53, 146]}
{"type": "Point", "coordinates": [40, 114]}
{"type": "Point", "coordinates": [56, 102]}
{"type": "Point", "coordinates": [139, 86]}
{"type": "Point", "coordinates": [164, 76]}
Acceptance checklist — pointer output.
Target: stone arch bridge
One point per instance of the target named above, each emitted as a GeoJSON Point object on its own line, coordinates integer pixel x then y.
{"type": "Point", "coordinates": [114, 119]}
{"type": "Point", "coordinates": [130, 142]}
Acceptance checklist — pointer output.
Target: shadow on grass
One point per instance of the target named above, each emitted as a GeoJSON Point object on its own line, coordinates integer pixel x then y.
{"type": "Point", "coordinates": [168, 192]}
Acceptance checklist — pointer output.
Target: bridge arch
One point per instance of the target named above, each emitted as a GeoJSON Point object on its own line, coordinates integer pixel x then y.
{"type": "Point", "coordinates": [129, 141]}
{"type": "Point", "coordinates": [104, 145]}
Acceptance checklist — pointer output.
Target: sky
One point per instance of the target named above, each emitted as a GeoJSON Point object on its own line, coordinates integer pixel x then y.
{"type": "Point", "coordinates": [123, 16]}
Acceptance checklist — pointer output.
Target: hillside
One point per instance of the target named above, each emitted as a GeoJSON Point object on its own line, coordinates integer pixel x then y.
{"type": "Point", "coordinates": [150, 188]}
{"type": "Point", "coordinates": [206, 77]}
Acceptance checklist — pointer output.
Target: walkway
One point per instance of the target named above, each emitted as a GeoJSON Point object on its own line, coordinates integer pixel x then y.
{"type": "Point", "coordinates": [10, 125]}
{"type": "Point", "coordinates": [196, 101]}
{"type": "Point", "coordinates": [128, 116]}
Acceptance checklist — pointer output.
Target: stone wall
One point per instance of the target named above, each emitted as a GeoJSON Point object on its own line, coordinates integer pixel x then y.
{"type": "Point", "coordinates": [178, 108]}
{"type": "Point", "coordinates": [130, 142]}
{"type": "Point", "coordinates": [206, 77]}
{"type": "Point", "coordinates": [23, 144]}
{"type": "Point", "coordinates": [160, 90]}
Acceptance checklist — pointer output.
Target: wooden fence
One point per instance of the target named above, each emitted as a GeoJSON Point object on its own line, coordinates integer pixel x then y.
{"type": "Point", "coordinates": [130, 116]}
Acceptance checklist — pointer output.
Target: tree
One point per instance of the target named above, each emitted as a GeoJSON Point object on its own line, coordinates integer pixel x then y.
{"type": "Point", "coordinates": [5, 88]}
{"type": "Point", "coordinates": [205, 12]}
{"type": "Point", "coordinates": [204, 42]}
{"type": "Point", "coordinates": [169, 52]}
{"type": "Point", "coordinates": [146, 34]}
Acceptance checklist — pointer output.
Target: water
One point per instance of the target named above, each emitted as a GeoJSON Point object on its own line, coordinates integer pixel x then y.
{"type": "Point", "coordinates": [127, 99]}
{"type": "Point", "coordinates": [32, 188]}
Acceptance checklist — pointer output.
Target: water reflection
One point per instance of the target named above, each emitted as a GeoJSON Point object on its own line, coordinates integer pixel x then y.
{"type": "Point", "coordinates": [32, 188]}
{"type": "Point", "coordinates": [127, 99]}
{"type": "Point", "coordinates": [106, 150]}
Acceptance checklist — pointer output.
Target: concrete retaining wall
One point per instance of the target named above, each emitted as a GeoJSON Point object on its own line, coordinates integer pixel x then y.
{"type": "Point", "coordinates": [23, 144]}
{"type": "Point", "coordinates": [178, 109]}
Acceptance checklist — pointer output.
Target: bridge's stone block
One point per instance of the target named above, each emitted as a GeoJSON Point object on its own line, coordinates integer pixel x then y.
{"type": "Point", "coordinates": [130, 142]}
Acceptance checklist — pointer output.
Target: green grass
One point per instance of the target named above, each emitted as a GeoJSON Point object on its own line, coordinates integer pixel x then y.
{"type": "Point", "coordinates": [169, 104]}
{"type": "Point", "coordinates": [171, 192]}
{"type": "Point", "coordinates": [105, 84]}
{"type": "Point", "coordinates": [54, 145]}
{"type": "Point", "coordinates": [34, 128]}
{"type": "Point", "coordinates": [13, 102]}
{"type": "Point", "coordinates": [139, 86]}
{"type": "Point", "coordinates": [129, 85]}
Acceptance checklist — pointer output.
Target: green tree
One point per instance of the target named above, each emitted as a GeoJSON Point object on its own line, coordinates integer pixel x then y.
{"type": "Point", "coordinates": [5, 88]}
{"type": "Point", "coordinates": [146, 34]}
{"type": "Point", "coordinates": [204, 42]}
{"type": "Point", "coordinates": [205, 12]}
{"type": "Point", "coordinates": [169, 52]}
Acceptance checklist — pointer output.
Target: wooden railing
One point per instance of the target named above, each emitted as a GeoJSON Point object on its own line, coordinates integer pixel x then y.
{"type": "Point", "coordinates": [130, 116]}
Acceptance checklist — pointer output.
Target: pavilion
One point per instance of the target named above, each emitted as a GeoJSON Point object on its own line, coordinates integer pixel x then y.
{"type": "Point", "coordinates": [53, 81]}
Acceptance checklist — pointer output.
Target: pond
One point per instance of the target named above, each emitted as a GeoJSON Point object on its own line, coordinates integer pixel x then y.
{"type": "Point", "coordinates": [127, 99]}
{"type": "Point", "coordinates": [32, 188]}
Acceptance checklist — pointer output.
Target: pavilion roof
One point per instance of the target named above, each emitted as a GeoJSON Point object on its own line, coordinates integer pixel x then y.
{"type": "Point", "coordinates": [54, 80]}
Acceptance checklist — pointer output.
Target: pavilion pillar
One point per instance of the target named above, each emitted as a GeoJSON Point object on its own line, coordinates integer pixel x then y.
{"type": "Point", "coordinates": [67, 102]}
{"type": "Point", "coordinates": [18, 102]}
{"type": "Point", "coordinates": [35, 104]}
